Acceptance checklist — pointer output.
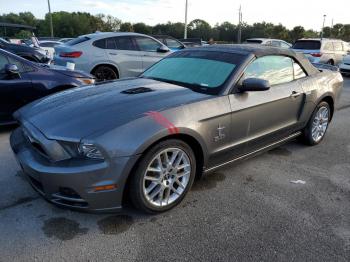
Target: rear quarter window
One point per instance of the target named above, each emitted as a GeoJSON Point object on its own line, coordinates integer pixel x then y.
{"type": "Point", "coordinates": [100, 43]}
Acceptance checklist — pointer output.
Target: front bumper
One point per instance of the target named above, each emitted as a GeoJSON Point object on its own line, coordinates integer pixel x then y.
{"type": "Point", "coordinates": [71, 183]}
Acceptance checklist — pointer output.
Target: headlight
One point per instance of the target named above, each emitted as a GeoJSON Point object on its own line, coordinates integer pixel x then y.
{"type": "Point", "coordinates": [90, 151]}
{"type": "Point", "coordinates": [87, 81]}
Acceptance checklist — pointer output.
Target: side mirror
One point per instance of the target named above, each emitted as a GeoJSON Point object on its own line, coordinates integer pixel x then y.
{"type": "Point", "coordinates": [163, 49]}
{"type": "Point", "coordinates": [255, 84]}
{"type": "Point", "coordinates": [12, 70]}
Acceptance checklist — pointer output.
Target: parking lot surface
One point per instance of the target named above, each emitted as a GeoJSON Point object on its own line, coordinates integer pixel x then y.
{"type": "Point", "coordinates": [249, 211]}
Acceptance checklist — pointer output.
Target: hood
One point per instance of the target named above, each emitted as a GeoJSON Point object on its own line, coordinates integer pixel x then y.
{"type": "Point", "coordinates": [77, 113]}
{"type": "Point", "coordinates": [22, 48]}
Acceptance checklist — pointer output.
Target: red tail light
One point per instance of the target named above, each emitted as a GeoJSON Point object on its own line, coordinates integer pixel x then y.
{"type": "Point", "coordinates": [316, 54]}
{"type": "Point", "coordinates": [75, 54]}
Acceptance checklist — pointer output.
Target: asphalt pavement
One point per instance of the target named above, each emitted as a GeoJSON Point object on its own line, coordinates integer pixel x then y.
{"type": "Point", "coordinates": [249, 211]}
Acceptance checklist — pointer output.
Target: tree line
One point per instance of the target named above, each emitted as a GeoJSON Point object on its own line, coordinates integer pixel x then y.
{"type": "Point", "coordinates": [79, 23]}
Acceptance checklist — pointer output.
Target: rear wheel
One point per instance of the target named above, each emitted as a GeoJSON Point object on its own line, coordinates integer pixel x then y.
{"type": "Point", "coordinates": [163, 177]}
{"type": "Point", "coordinates": [330, 62]}
{"type": "Point", "coordinates": [105, 73]}
{"type": "Point", "coordinates": [317, 127]}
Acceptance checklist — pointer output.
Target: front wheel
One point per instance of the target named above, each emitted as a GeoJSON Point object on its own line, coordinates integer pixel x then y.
{"type": "Point", "coordinates": [163, 177]}
{"type": "Point", "coordinates": [317, 127]}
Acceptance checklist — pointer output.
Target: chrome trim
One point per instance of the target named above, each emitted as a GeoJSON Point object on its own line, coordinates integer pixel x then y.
{"type": "Point", "coordinates": [282, 141]}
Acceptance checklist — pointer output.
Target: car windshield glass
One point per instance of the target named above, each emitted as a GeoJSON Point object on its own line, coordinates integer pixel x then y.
{"type": "Point", "coordinates": [3, 40]}
{"type": "Point", "coordinates": [307, 45]}
{"type": "Point", "coordinates": [78, 40]}
{"type": "Point", "coordinates": [202, 71]}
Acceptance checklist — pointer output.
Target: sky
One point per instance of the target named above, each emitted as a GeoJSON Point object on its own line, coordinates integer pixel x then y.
{"type": "Point", "coordinates": [308, 13]}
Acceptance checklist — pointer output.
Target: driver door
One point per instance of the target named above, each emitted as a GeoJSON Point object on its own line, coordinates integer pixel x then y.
{"type": "Point", "coordinates": [274, 114]}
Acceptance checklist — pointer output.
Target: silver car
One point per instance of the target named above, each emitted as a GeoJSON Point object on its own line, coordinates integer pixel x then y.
{"type": "Point", "coordinates": [324, 51]}
{"type": "Point", "coordinates": [110, 56]}
{"type": "Point", "coordinates": [147, 138]}
{"type": "Point", "coordinates": [269, 42]}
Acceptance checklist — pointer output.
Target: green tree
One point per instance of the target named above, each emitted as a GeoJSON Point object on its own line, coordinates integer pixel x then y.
{"type": "Point", "coordinates": [126, 27]}
{"type": "Point", "coordinates": [199, 29]}
{"type": "Point", "coordinates": [142, 28]}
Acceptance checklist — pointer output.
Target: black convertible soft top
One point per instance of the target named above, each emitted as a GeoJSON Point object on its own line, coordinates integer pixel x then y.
{"type": "Point", "coordinates": [261, 50]}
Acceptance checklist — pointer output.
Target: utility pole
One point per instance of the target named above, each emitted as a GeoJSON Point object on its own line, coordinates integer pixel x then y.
{"type": "Point", "coordinates": [186, 13]}
{"type": "Point", "coordinates": [239, 36]}
{"type": "Point", "coordinates": [51, 25]}
{"type": "Point", "coordinates": [324, 21]}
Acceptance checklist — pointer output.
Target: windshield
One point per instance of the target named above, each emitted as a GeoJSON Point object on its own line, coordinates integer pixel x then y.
{"type": "Point", "coordinates": [307, 45]}
{"type": "Point", "coordinates": [3, 40]}
{"type": "Point", "coordinates": [203, 71]}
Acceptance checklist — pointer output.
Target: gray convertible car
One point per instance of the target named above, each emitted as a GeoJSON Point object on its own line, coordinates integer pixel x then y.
{"type": "Point", "coordinates": [147, 138]}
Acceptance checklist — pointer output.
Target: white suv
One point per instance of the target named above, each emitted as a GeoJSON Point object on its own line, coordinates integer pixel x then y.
{"type": "Point", "coordinates": [111, 56]}
{"type": "Point", "coordinates": [325, 51]}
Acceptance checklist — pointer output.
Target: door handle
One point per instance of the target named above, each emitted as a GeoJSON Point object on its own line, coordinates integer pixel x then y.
{"type": "Point", "coordinates": [112, 53]}
{"type": "Point", "coordinates": [295, 94]}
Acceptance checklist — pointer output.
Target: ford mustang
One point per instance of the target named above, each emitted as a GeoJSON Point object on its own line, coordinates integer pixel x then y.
{"type": "Point", "coordinates": [146, 139]}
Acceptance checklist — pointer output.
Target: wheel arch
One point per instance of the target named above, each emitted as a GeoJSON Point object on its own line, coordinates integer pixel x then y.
{"type": "Point", "coordinates": [199, 150]}
{"type": "Point", "coordinates": [113, 66]}
{"type": "Point", "coordinates": [330, 100]}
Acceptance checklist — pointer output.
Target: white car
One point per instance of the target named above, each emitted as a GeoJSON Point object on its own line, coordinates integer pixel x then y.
{"type": "Point", "coordinates": [269, 42]}
{"type": "Point", "coordinates": [113, 55]}
{"type": "Point", "coordinates": [49, 47]}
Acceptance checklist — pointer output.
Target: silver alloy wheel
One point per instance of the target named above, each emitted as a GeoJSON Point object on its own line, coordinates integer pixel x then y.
{"type": "Point", "coordinates": [166, 177]}
{"type": "Point", "coordinates": [320, 124]}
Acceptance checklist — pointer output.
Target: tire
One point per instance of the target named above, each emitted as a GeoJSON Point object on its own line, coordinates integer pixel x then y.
{"type": "Point", "coordinates": [155, 189]}
{"type": "Point", "coordinates": [105, 73]}
{"type": "Point", "coordinates": [330, 62]}
{"type": "Point", "coordinates": [317, 124]}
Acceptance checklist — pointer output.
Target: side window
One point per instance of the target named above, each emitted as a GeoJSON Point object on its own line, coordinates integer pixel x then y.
{"type": "Point", "coordinates": [276, 69]}
{"type": "Point", "coordinates": [329, 47]}
{"type": "Point", "coordinates": [284, 45]}
{"type": "Point", "coordinates": [147, 44]}
{"type": "Point", "coordinates": [171, 43]}
{"type": "Point", "coordinates": [276, 43]}
{"type": "Point", "coordinates": [100, 43]}
{"type": "Point", "coordinates": [298, 71]}
{"type": "Point", "coordinates": [338, 46]}
{"type": "Point", "coordinates": [110, 43]}
{"type": "Point", "coordinates": [125, 43]}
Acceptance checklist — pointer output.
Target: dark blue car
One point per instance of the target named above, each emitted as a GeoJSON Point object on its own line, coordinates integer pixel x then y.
{"type": "Point", "coordinates": [22, 81]}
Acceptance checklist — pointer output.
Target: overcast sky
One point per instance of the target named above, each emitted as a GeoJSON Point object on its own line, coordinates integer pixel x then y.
{"type": "Point", "coordinates": [308, 13]}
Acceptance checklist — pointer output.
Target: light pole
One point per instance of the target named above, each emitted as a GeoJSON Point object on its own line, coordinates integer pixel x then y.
{"type": "Point", "coordinates": [186, 13]}
{"type": "Point", "coordinates": [324, 21]}
{"type": "Point", "coordinates": [51, 26]}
